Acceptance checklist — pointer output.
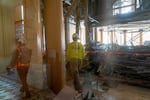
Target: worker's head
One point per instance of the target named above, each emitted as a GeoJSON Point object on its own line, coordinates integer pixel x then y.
{"type": "Point", "coordinates": [75, 37]}
{"type": "Point", "coordinates": [21, 41]}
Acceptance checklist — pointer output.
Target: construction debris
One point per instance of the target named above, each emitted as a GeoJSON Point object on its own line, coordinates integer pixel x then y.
{"type": "Point", "coordinates": [132, 64]}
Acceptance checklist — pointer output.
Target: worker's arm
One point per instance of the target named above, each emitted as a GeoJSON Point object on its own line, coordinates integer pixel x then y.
{"type": "Point", "coordinates": [13, 59]}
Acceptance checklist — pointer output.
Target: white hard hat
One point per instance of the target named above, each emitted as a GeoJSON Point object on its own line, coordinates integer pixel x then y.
{"type": "Point", "coordinates": [75, 35]}
{"type": "Point", "coordinates": [22, 41]}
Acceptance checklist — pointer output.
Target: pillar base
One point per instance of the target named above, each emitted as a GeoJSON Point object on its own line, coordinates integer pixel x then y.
{"type": "Point", "coordinates": [37, 76]}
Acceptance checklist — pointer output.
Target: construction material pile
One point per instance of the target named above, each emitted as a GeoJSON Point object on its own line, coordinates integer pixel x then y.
{"type": "Point", "coordinates": [133, 63]}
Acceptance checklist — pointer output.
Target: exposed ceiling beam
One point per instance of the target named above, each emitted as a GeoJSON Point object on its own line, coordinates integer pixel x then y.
{"type": "Point", "coordinates": [67, 2]}
{"type": "Point", "coordinates": [71, 8]}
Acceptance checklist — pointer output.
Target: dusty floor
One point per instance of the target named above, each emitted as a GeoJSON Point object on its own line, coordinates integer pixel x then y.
{"type": "Point", "coordinates": [9, 90]}
{"type": "Point", "coordinates": [126, 92]}
{"type": "Point", "coordinates": [113, 90]}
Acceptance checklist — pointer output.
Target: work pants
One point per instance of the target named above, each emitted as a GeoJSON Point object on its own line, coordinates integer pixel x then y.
{"type": "Point", "coordinates": [73, 73]}
{"type": "Point", "coordinates": [22, 73]}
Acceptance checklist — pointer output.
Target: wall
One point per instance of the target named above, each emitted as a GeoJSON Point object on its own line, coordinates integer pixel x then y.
{"type": "Point", "coordinates": [7, 31]}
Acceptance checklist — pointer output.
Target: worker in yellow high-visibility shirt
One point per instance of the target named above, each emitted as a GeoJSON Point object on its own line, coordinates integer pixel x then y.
{"type": "Point", "coordinates": [74, 56]}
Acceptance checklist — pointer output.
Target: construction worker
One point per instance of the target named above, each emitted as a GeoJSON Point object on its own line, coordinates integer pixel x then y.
{"type": "Point", "coordinates": [74, 56]}
{"type": "Point", "coordinates": [21, 60]}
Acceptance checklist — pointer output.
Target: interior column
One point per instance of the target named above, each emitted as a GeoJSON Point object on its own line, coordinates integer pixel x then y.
{"type": "Point", "coordinates": [124, 35]}
{"type": "Point", "coordinates": [111, 37]}
{"type": "Point", "coordinates": [55, 43]}
{"type": "Point", "coordinates": [33, 34]}
{"type": "Point", "coordinates": [141, 37]}
{"type": "Point", "coordinates": [95, 30]}
{"type": "Point", "coordinates": [101, 35]}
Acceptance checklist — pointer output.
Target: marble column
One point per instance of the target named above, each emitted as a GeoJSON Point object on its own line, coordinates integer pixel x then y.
{"type": "Point", "coordinates": [55, 43]}
{"type": "Point", "coordinates": [33, 35]}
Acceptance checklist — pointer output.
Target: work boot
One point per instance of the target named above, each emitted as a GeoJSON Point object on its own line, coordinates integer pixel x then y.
{"type": "Point", "coordinates": [27, 95]}
{"type": "Point", "coordinates": [77, 83]}
{"type": "Point", "coordinates": [21, 89]}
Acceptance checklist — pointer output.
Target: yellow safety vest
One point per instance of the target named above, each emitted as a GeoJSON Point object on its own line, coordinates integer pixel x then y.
{"type": "Point", "coordinates": [75, 50]}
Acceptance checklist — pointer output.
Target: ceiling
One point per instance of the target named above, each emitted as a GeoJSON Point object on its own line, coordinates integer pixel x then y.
{"type": "Point", "coordinates": [100, 14]}
{"type": "Point", "coordinates": [131, 27]}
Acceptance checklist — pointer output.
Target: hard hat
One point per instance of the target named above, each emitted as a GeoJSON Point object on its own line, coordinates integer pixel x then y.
{"type": "Point", "coordinates": [75, 36]}
{"type": "Point", "coordinates": [22, 41]}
